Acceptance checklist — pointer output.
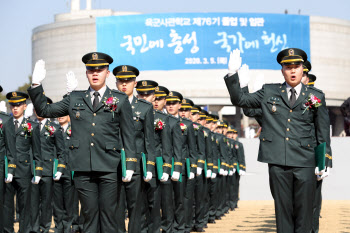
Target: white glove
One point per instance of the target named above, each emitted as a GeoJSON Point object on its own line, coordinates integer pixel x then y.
{"type": "Point", "coordinates": [325, 174]}
{"type": "Point", "coordinates": [57, 176]}
{"type": "Point", "coordinates": [241, 172]}
{"type": "Point", "coordinates": [318, 172]}
{"type": "Point", "coordinates": [259, 82]}
{"type": "Point", "coordinates": [128, 176]}
{"type": "Point", "coordinates": [234, 171]}
{"type": "Point", "coordinates": [29, 111]}
{"type": "Point", "coordinates": [209, 173]}
{"type": "Point", "coordinates": [225, 173]}
{"type": "Point", "coordinates": [235, 61]}
{"type": "Point", "coordinates": [72, 82]}
{"type": "Point", "coordinates": [39, 72]}
{"type": "Point", "coordinates": [175, 176]}
{"type": "Point", "coordinates": [199, 171]}
{"type": "Point", "coordinates": [165, 177]}
{"type": "Point", "coordinates": [230, 173]}
{"type": "Point", "coordinates": [222, 171]}
{"type": "Point", "coordinates": [36, 180]}
{"type": "Point", "coordinates": [213, 176]}
{"type": "Point", "coordinates": [148, 177]}
{"type": "Point", "coordinates": [3, 106]}
{"type": "Point", "coordinates": [244, 75]}
{"type": "Point", "coordinates": [191, 176]}
{"type": "Point", "coordinates": [9, 178]}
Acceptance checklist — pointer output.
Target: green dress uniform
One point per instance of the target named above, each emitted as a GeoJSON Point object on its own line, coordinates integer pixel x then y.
{"type": "Point", "coordinates": [151, 219]}
{"type": "Point", "coordinates": [252, 112]}
{"type": "Point", "coordinates": [64, 191]}
{"type": "Point", "coordinates": [242, 166]}
{"type": "Point", "coordinates": [52, 148]}
{"type": "Point", "coordinates": [98, 136]}
{"type": "Point", "coordinates": [287, 144]}
{"type": "Point", "coordinates": [171, 191]}
{"type": "Point", "coordinates": [8, 149]}
{"type": "Point", "coordinates": [27, 151]}
{"type": "Point", "coordinates": [232, 181]}
{"type": "Point", "coordinates": [131, 191]}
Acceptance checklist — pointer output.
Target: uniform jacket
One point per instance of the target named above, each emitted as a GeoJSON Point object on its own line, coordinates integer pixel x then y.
{"type": "Point", "coordinates": [200, 142]}
{"type": "Point", "coordinates": [208, 148]}
{"type": "Point", "coordinates": [189, 148]}
{"type": "Point", "coordinates": [176, 135]}
{"type": "Point", "coordinates": [7, 143]}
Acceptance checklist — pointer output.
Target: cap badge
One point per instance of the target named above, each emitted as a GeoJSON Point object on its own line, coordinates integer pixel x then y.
{"type": "Point", "coordinates": [144, 83]}
{"type": "Point", "coordinates": [183, 101]}
{"type": "Point", "coordinates": [157, 88]}
{"type": "Point", "coordinates": [124, 68]}
{"type": "Point", "coordinates": [14, 94]}
{"type": "Point", "coordinates": [94, 56]}
{"type": "Point", "coordinates": [171, 94]}
{"type": "Point", "coordinates": [291, 52]}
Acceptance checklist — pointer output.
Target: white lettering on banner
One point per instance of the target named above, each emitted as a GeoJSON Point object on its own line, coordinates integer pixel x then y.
{"type": "Point", "coordinates": [274, 41]}
{"type": "Point", "coordinates": [204, 60]}
{"type": "Point", "coordinates": [256, 22]}
{"type": "Point", "coordinates": [239, 39]}
{"type": "Point", "coordinates": [178, 42]}
{"type": "Point", "coordinates": [229, 21]}
{"type": "Point", "coordinates": [141, 41]}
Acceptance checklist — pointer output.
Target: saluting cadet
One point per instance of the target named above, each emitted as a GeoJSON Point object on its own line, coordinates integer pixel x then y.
{"type": "Point", "coordinates": [64, 190]}
{"type": "Point", "coordinates": [189, 159]}
{"type": "Point", "coordinates": [168, 190]}
{"type": "Point", "coordinates": [53, 154]}
{"type": "Point", "coordinates": [287, 137]}
{"type": "Point", "coordinates": [200, 189]}
{"type": "Point", "coordinates": [7, 157]}
{"type": "Point", "coordinates": [190, 195]}
{"type": "Point", "coordinates": [102, 125]}
{"type": "Point", "coordinates": [28, 165]}
{"type": "Point", "coordinates": [143, 118]}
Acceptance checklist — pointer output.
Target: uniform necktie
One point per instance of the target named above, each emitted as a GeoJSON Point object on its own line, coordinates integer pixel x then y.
{"type": "Point", "coordinates": [96, 100]}
{"type": "Point", "coordinates": [292, 98]}
{"type": "Point", "coordinates": [16, 125]}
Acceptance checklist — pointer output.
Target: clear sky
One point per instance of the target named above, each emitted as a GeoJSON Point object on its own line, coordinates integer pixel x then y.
{"type": "Point", "coordinates": [19, 17]}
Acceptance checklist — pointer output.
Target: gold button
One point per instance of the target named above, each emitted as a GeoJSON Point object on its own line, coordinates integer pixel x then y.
{"type": "Point", "coordinates": [308, 145]}
{"type": "Point", "coordinates": [92, 134]}
{"type": "Point", "coordinates": [287, 129]}
{"type": "Point", "coordinates": [92, 144]}
{"type": "Point", "coordinates": [50, 160]}
{"type": "Point", "coordinates": [287, 139]}
{"type": "Point", "coordinates": [291, 110]}
{"type": "Point", "coordinates": [72, 147]}
{"type": "Point", "coordinates": [114, 149]}
{"type": "Point", "coordinates": [288, 120]}
{"type": "Point", "coordinates": [263, 139]}
{"type": "Point", "coordinates": [94, 114]}
{"type": "Point", "coordinates": [26, 161]}
{"type": "Point", "coordinates": [93, 124]}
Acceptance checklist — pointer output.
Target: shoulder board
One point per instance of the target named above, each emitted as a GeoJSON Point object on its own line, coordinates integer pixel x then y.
{"type": "Point", "coordinates": [162, 113]}
{"type": "Point", "coordinates": [4, 114]}
{"type": "Point", "coordinates": [171, 116]}
{"type": "Point", "coordinates": [117, 92]}
{"type": "Point", "coordinates": [315, 89]}
{"type": "Point", "coordinates": [146, 102]}
{"type": "Point", "coordinates": [272, 84]}
{"type": "Point", "coordinates": [31, 121]}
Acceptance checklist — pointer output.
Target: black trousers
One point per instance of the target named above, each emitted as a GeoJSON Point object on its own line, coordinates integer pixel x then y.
{"type": "Point", "coordinates": [150, 219]}
{"type": "Point", "coordinates": [317, 207]}
{"type": "Point", "coordinates": [221, 195]}
{"type": "Point", "coordinates": [189, 202]}
{"type": "Point", "coordinates": [293, 190]}
{"type": "Point", "coordinates": [99, 194]}
{"type": "Point", "coordinates": [200, 197]}
{"type": "Point", "coordinates": [63, 208]}
{"type": "Point", "coordinates": [23, 187]}
{"type": "Point", "coordinates": [235, 195]}
{"type": "Point", "coordinates": [131, 198]}
{"type": "Point", "coordinates": [41, 205]}
{"type": "Point", "coordinates": [167, 206]}
{"type": "Point", "coordinates": [179, 211]}
{"type": "Point", "coordinates": [213, 195]}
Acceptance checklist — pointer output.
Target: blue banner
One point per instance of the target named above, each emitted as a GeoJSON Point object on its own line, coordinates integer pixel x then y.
{"type": "Point", "coordinates": [200, 40]}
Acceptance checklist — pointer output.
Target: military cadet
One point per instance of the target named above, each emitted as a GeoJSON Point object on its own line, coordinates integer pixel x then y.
{"type": "Point", "coordinates": [189, 159]}
{"type": "Point", "coordinates": [151, 219]}
{"type": "Point", "coordinates": [101, 125]}
{"type": "Point", "coordinates": [229, 166]}
{"type": "Point", "coordinates": [233, 165]}
{"type": "Point", "coordinates": [191, 196]}
{"type": "Point", "coordinates": [306, 69]}
{"type": "Point", "coordinates": [53, 154]}
{"type": "Point", "coordinates": [143, 117]}
{"type": "Point", "coordinates": [287, 138]}
{"type": "Point", "coordinates": [64, 190]}
{"type": "Point", "coordinates": [345, 110]}
{"type": "Point", "coordinates": [169, 192]}
{"type": "Point", "coordinates": [8, 149]}
{"type": "Point", "coordinates": [201, 188]}
{"type": "Point", "coordinates": [29, 163]}
{"type": "Point", "coordinates": [312, 79]}
{"type": "Point", "coordinates": [213, 193]}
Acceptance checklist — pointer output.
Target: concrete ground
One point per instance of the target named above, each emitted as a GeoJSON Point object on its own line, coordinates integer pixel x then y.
{"type": "Point", "coordinates": [258, 216]}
